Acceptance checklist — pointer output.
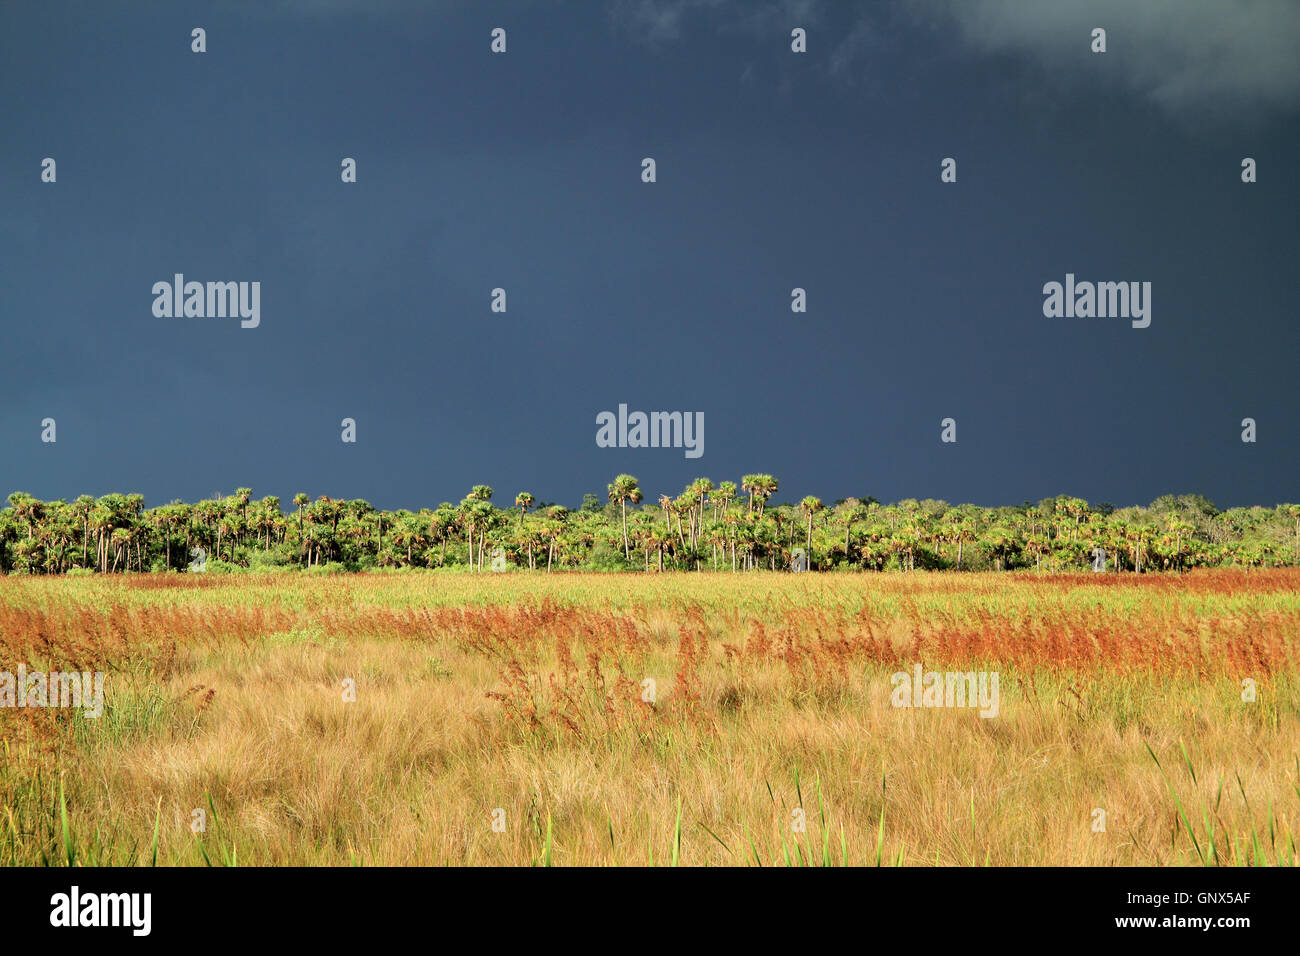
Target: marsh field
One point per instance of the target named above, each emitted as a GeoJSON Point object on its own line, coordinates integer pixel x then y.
{"type": "Point", "coordinates": [432, 718]}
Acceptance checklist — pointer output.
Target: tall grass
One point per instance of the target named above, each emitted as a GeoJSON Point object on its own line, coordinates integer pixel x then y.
{"type": "Point", "coordinates": [526, 693]}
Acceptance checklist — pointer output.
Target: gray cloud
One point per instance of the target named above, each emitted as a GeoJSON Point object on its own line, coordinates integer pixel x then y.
{"type": "Point", "coordinates": [1192, 58]}
{"type": "Point", "coordinates": [328, 8]}
{"type": "Point", "coordinates": [658, 21]}
{"type": "Point", "coordinates": [1186, 56]}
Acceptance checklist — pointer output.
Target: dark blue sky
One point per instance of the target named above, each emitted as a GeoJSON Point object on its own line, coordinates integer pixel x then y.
{"type": "Point", "coordinates": [522, 171]}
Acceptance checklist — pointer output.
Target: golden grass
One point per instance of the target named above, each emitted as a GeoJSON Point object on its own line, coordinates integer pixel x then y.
{"type": "Point", "coordinates": [524, 693]}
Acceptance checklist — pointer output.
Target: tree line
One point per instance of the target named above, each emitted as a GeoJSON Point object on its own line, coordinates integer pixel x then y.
{"type": "Point", "coordinates": [707, 527]}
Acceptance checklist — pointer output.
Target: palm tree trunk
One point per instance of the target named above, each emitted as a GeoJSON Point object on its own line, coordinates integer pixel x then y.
{"type": "Point", "coordinates": [627, 554]}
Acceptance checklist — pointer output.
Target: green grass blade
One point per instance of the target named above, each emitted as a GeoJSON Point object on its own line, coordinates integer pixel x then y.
{"type": "Point", "coordinates": [880, 836]}
{"type": "Point", "coordinates": [677, 834]}
{"type": "Point", "coordinates": [753, 849]}
{"type": "Point", "coordinates": [1177, 803]}
{"type": "Point", "coordinates": [826, 833]}
{"type": "Point", "coordinates": [153, 853]}
{"type": "Point", "coordinates": [69, 846]}
{"type": "Point", "coordinates": [716, 837]}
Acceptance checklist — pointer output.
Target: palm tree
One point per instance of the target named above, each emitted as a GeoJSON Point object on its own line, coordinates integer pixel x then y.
{"type": "Point", "coordinates": [1036, 545]}
{"type": "Point", "coordinates": [746, 538]}
{"type": "Point", "coordinates": [81, 508]}
{"type": "Point", "coordinates": [701, 488]}
{"type": "Point", "coordinates": [559, 516]}
{"type": "Point", "coordinates": [441, 524]}
{"type": "Point", "coordinates": [668, 508]}
{"type": "Point", "coordinates": [527, 540]}
{"type": "Point", "coordinates": [623, 489]}
{"type": "Point", "coordinates": [104, 519]}
{"type": "Point", "coordinates": [301, 499]}
{"type": "Point", "coordinates": [852, 511]}
{"type": "Point", "coordinates": [767, 487]}
{"type": "Point", "coordinates": [1179, 529]}
{"type": "Point", "coordinates": [1075, 508]}
{"type": "Point", "coordinates": [475, 515]}
{"type": "Point", "coordinates": [731, 522]}
{"type": "Point", "coordinates": [24, 506]}
{"type": "Point", "coordinates": [1293, 511]}
{"type": "Point", "coordinates": [270, 512]}
{"type": "Point", "coordinates": [160, 518]}
{"type": "Point", "coordinates": [1000, 544]}
{"type": "Point", "coordinates": [466, 518]}
{"type": "Point", "coordinates": [491, 520]}
{"type": "Point", "coordinates": [243, 494]}
{"type": "Point", "coordinates": [523, 501]}
{"type": "Point", "coordinates": [226, 526]}
{"type": "Point", "coordinates": [726, 494]}
{"type": "Point", "coordinates": [810, 505]}
{"type": "Point", "coordinates": [409, 531]}
{"type": "Point", "coordinates": [688, 504]}
{"type": "Point", "coordinates": [121, 542]}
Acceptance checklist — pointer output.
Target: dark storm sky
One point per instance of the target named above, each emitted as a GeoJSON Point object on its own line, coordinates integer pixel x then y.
{"type": "Point", "coordinates": [775, 170]}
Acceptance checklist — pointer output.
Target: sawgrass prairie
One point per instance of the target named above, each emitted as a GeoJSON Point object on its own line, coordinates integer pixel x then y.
{"type": "Point", "coordinates": [654, 719]}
